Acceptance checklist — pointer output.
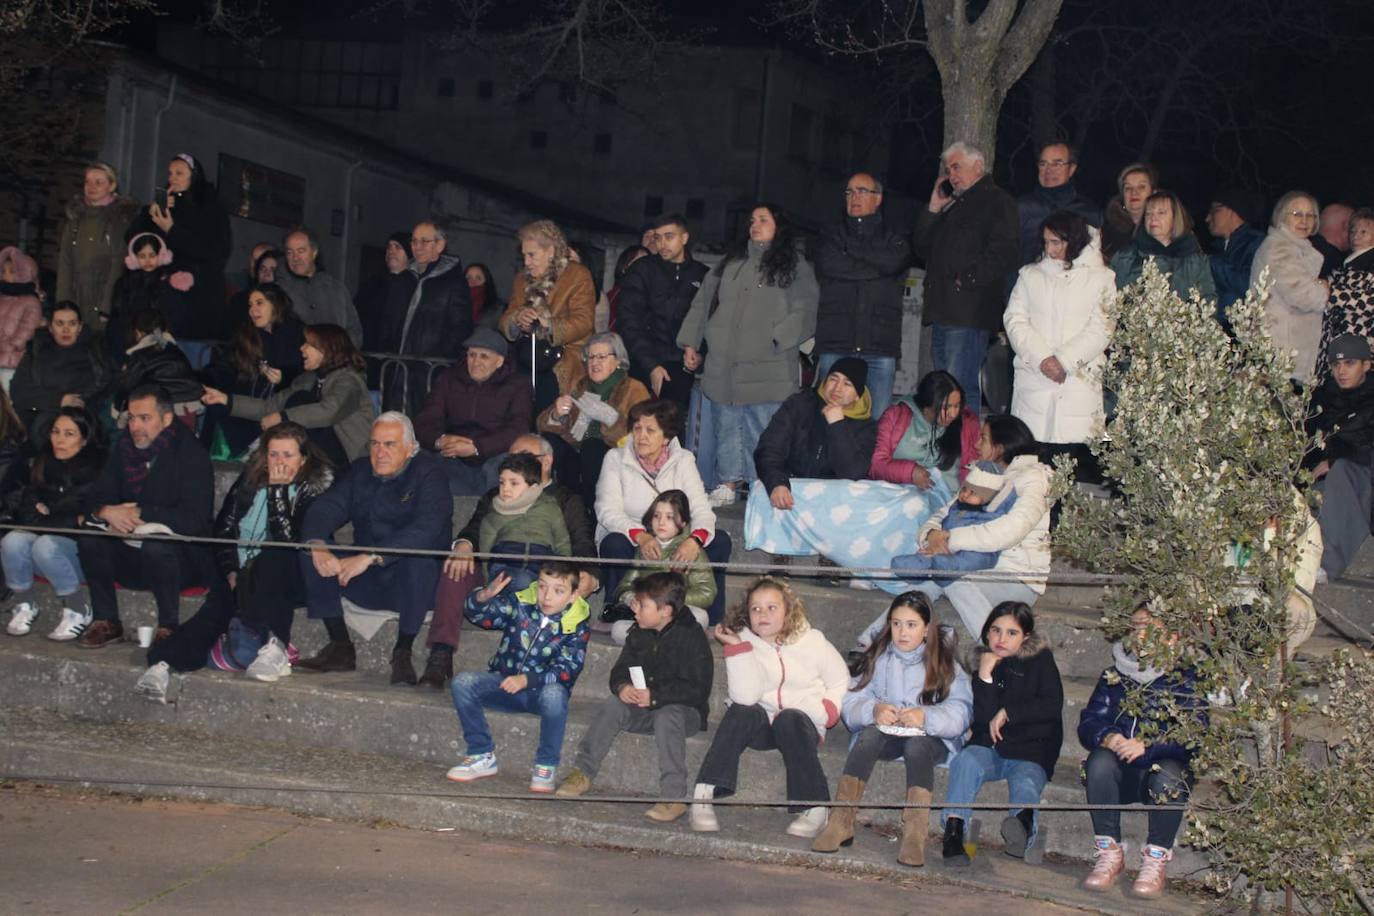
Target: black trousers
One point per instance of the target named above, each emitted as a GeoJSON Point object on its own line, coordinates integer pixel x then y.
{"type": "Point", "coordinates": [579, 468]}
{"type": "Point", "coordinates": [747, 728]}
{"type": "Point", "coordinates": [921, 754]}
{"type": "Point", "coordinates": [161, 567]}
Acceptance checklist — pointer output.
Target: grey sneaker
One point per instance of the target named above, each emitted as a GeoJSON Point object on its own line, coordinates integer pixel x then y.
{"type": "Point", "coordinates": [22, 616]}
{"type": "Point", "coordinates": [271, 663]}
{"type": "Point", "coordinates": [152, 686]}
{"type": "Point", "coordinates": [474, 766]}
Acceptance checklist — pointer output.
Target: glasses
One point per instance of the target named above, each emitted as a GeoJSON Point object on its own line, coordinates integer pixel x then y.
{"type": "Point", "coordinates": [420, 241]}
{"type": "Point", "coordinates": [1302, 214]}
{"type": "Point", "coordinates": [861, 192]}
{"type": "Point", "coordinates": [598, 357]}
{"type": "Point", "coordinates": [1053, 163]}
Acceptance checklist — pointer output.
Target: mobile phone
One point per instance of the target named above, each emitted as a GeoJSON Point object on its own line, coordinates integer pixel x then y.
{"type": "Point", "coordinates": [160, 198]}
{"type": "Point", "coordinates": [946, 188]}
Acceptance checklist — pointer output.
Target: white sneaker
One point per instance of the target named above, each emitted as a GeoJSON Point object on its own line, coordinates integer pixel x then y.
{"type": "Point", "coordinates": [271, 663]}
{"type": "Point", "coordinates": [862, 585]}
{"type": "Point", "coordinates": [703, 815]}
{"type": "Point", "coordinates": [70, 626]}
{"type": "Point", "coordinates": [152, 685]}
{"type": "Point", "coordinates": [21, 619]}
{"type": "Point", "coordinates": [473, 766]}
{"type": "Point", "coordinates": [808, 823]}
{"type": "Point", "coordinates": [721, 496]}
{"type": "Point", "coordinates": [1322, 577]}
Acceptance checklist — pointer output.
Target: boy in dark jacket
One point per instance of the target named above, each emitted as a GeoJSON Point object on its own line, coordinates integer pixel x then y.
{"type": "Point", "coordinates": [540, 655]}
{"type": "Point", "coordinates": [660, 685]}
{"type": "Point", "coordinates": [1342, 410]}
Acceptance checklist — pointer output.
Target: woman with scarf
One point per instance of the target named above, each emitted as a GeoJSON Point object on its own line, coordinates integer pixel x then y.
{"type": "Point", "coordinates": [260, 586]}
{"type": "Point", "coordinates": [1166, 236]}
{"type": "Point", "coordinates": [330, 398]}
{"type": "Point", "coordinates": [591, 420]}
{"type": "Point", "coordinates": [552, 309]}
{"type": "Point", "coordinates": [487, 305]}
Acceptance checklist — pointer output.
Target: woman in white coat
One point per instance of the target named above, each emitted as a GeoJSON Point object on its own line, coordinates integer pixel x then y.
{"type": "Point", "coordinates": [1058, 329]}
{"type": "Point", "coordinates": [649, 462]}
{"type": "Point", "coordinates": [1297, 296]}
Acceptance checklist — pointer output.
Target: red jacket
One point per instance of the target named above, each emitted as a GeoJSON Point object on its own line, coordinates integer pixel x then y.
{"type": "Point", "coordinates": [490, 413]}
{"type": "Point", "coordinates": [893, 425]}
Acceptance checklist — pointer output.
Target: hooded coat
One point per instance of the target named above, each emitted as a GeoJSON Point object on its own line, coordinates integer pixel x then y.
{"type": "Point", "coordinates": [1104, 713]}
{"type": "Point", "coordinates": [439, 314]}
{"type": "Point", "coordinates": [800, 442]}
{"type": "Point", "coordinates": [200, 240]}
{"type": "Point", "coordinates": [1058, 312]}
{"type": "Point", "coordinates": [1028, 686]}
{"type": "Point", "coordinates": [90, 255]}
{"type": "Point", "coordinates": [21, 309]}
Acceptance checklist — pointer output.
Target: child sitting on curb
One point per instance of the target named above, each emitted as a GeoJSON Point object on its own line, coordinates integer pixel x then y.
{"type": "Point", "coordinates": [540, 655]}
{"type": "Point", "coordinates": [668, 650]}
{"type": "Point", "coordinates": [523, 520]}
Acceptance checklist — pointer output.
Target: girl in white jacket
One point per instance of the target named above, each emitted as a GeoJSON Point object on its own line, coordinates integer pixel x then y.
{"type": "Point", "coordinates": [910, 700]}
{"type": "Point", "coordinates": [786, 683]}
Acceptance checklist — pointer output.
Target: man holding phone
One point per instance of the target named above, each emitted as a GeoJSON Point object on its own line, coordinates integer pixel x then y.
{"type": "Point", "coordinates": [968, 236]}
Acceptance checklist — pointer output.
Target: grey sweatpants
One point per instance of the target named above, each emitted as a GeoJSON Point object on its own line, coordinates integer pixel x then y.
{"type": "Point", "coordinates": [1344, 518]}
{"type": "Point", "coordinates": [670, 725]}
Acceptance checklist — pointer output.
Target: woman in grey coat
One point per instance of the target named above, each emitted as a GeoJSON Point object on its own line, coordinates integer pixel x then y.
{"type": "Point", "coordinates": [330, 399]}
{"type": "Point", "coordinates": [752, 312]}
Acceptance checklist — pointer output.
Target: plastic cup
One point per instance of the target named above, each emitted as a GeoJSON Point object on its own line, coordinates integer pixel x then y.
{"type": "Point", "coordinates": [145, 637]}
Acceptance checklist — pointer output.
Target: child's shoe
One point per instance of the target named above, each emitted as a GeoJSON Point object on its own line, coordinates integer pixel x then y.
{"type": "Point", "coordinates": [703, 817]}
{"type": "Point", "coordinates": [809, 823]}
{"type": "Point", "coordinates": [666, 812]}
{"type": "Point", "coordinates": [474, 766]}
{"type": "Point", "coordinates": [574, 784]}
{"type": "Point", "coordinates": [1111, 862]}
{"type": "Point", "coordinates": [1149, 884]}
{"type": "Point", "coordinates": [542, 778]}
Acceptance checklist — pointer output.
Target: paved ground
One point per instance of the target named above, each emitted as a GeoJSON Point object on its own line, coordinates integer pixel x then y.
{"type": "Point", "coordinates": [67, 852]}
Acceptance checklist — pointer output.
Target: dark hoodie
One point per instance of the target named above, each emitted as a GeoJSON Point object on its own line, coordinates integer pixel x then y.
{"type": "Point", "coordinates": [491, 413]}
{"type": "Point", "coordinates": [1029, 688]}
{"type": "Point", "coordinates": [47, 372]}
{"type": "Point", "coordinates": [677, 662]}
{"type": "Point", "coordinates": [1346, 417]}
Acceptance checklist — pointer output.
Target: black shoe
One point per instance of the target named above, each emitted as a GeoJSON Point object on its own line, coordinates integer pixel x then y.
{"type": "Point", "coordinates": [335, 656]}
{"type": "Point", "coordinates": [402, 668]}
{"type": "Point", "coordinates": [1016, 832]}
{"type": "Point", "coordinates": [438, 670]}
{"type": "Point", "coordinates": [612, 613]}
{"type": "Point", "coordinates": [954, 852]}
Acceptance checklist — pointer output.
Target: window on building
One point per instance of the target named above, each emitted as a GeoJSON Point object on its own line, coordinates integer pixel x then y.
{"type": "Point", "coordinates": [539, 139]}
{"type": "Point", "coordinates": [745, 132]}
{"type": "Point", "coordinates": [835, 143]}
{"type": "Point", "coordinates": [486, 89]}
{"type": "Point", "coordinates": [799, 132]}
{"type": "Point", "coordinates": [445, 87]}
{"type": "Point", "coordinates": [696, 208]}
{"type": "Point", "coordinates": [314, 73]}
{"type": "Point", "coordinates": [602, 144]}
{"type": "Point", "coordinates": [653, 205]}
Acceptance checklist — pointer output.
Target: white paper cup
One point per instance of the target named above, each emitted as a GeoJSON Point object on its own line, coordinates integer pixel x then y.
{"type": "Point", "coordinates": [145, 637]}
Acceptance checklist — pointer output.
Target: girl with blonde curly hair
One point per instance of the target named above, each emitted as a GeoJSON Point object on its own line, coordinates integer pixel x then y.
{"type": "Point", "coordinates": [786, 683]}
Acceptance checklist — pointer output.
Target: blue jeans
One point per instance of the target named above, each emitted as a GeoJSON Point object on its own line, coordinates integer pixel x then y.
{"type": "Point", "coordinates": [473, 690]}
{"type": "Point", "coordinates": [975, 765]}
{"type": "Point", "coordinates": [54, 555]}
{"type": "Point", "coordinates": [727, 435]}
{"type": "Point", "coordinates": [960, 352]}
{"type": "Point", "coordinates": [882, 375]}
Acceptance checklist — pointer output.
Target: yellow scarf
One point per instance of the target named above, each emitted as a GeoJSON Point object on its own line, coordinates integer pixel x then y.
{"type": "Point", "coordinates": [862, 409]}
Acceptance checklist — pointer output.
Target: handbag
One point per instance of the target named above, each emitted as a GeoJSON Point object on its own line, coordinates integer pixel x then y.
{"type": "Point", "coordinates": [533, 351]}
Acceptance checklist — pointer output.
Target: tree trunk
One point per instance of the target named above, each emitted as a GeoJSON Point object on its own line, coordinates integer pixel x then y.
{"type": "Point", "coordinates": [971, 108]}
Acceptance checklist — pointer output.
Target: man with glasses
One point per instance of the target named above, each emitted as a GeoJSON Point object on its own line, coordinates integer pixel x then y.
{"type": "Point", "coordinates": [655, 294]}
{"type": "Point", "coordinates": [438, 315]}
{"type": "Point", "coordinates": [861, 266]}
{"type": "Point", "coordinates": [317, 297]}
{"type": "Point", "coordinates": [1055, 167]}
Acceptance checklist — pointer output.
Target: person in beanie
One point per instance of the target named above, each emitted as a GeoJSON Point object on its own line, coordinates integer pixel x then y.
{"type": "Point", "coordinates": [970, 507]}
{"type": "Point", "coordinates": [1342, 410]}
{"type": "Point", "coordinates": [1230, 219]}
{"type": "Point", "coordinates": [382, 301]}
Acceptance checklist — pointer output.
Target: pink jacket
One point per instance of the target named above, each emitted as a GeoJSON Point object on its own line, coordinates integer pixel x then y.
{"type": "Point", "coordinates": [894, 424]}
{"type": "Point", "coordinates": [20, 315]}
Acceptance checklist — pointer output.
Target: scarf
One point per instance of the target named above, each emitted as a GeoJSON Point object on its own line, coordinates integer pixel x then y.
{"type": "Point", "coordinates": [652, 468]}
{"type": "Point", "coordinates": [1129, 665]}
{"type": "Point", "coordinates": [603, 391]}
{"type": "Point", "coordinates": [138, 463]}
{"type": "Point", "coordinates": [253, 524]}
{"type": "Point", "coordinates": [520, 504]}
{"type": "Point", "coordinates": [862, 409]}
{"type": "Point", "coordinates": [539, 289]}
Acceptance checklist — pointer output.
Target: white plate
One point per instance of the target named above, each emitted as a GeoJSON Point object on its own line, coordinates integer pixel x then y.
{"type": "Point", "coordinates": [902, 731]}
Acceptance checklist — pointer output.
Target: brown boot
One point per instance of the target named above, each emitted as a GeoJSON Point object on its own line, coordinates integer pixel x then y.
{"type": "Point", "coordinates": [335, 656]}
{"type": "Point", "coordinates": [438, 670]}
{"type": "Point", "coordinates": [402, 668]}
{"type": "Point", "coordinates": [915, 828]}
{"type": "Point", "coordinates": [839, 826]}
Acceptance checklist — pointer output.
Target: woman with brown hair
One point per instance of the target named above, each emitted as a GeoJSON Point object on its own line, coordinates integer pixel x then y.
{"type": "Point", "coordinates": [330, 399]}
{"type": "Point", "coordinates": [552, 308]}
{"type": "Point", "coordinates": [910, 700]}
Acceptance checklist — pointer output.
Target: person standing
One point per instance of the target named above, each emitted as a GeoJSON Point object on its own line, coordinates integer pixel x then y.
{"type": "Point", "coordinates": [861, 265]}
{"type": "Point", "coordinates": [1228, 219]}
{"type": "Point", "coordinates": [1054, 169]}
{"type": "Point", "coordinates": [90, 256]}
{"type": "Point", "coordinates": [438, 314]}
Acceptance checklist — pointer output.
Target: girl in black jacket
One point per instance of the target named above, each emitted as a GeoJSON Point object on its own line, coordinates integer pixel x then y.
{"type": "Point", "coordinates": [262, 586]}
{"type": "Point", "coordinates": [1018, 707]}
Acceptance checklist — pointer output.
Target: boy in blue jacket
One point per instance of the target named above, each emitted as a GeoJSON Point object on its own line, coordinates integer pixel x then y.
{"type": "Point", "coordinates": [540, 655]}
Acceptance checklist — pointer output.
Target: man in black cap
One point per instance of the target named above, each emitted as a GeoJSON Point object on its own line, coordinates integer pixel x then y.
{"type": "Point", "coordinates": [474, 411]}
{"type": "Point", "coordinates": [1342, 410]}
{"type": "Point", "coordinates": [1229, 220]}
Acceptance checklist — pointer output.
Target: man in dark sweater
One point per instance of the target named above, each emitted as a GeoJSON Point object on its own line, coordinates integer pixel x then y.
{"type": "Point", "coordinates": [158, 475]}
{"type": "Point", "coordinates": [1342, 409]}
{"type": "Point", "coordinates": [460, 570]}
{"type": "Point", "coordinates": [1054, 170]}
{"type": "Point", "coordinates": [397, 497]}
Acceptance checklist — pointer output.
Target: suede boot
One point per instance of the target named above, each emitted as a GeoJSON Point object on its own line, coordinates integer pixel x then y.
{"type": "Point", "coordinates": [438, 670]}
{"type": "Point", "coordinates": [335, 656]}
{"type": "Point", "coordinates": [839, 827]}
{"type": "Point", "coordinates": [402, 668]}
{"type": "Point", "coordinates": [915, 828]}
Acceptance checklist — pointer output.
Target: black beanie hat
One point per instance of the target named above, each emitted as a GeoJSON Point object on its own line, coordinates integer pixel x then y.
{"type": "Point", "coordinates": [402, 239]}
{"type": "Point", "coordinates": [854, 369]}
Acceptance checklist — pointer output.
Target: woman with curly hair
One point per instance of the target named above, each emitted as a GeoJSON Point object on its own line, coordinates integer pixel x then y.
{"type": "Point", "coordinates": [552, 305]}
{"type": "Point", "coordinates": [786, 683]}
{"type": "Point", "coordinates": [753, 312]}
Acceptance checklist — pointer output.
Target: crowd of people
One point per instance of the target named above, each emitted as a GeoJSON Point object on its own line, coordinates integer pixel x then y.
{"type": "Point", "coordinates": [614, 426]}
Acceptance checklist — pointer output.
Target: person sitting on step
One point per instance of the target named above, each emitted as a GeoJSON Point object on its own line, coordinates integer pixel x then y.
{"type": "Point", "coordinates": [524, 520]}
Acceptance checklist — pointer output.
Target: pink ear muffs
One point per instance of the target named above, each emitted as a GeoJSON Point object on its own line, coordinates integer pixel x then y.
{"type": "Point", "coordinates": [164, 254]}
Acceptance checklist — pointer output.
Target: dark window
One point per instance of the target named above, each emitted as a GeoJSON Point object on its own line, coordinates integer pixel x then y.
{"type": "Point", "coordinates": [446, 87]}
{"type": "Point", "coordinates": [653, 205]}
{"type": "Point", "coordinates": [799, 132]}
{"type": "Point", "coordinates": [746, 126]}
{"type": "Point", "coordinates": [486, 89]}
{"type": "Point", "coordinates": [603, 143]}
{"type": "Point", "coordinates": [539, 139]}
{"type": "Point", "coordinates": [696, 208]}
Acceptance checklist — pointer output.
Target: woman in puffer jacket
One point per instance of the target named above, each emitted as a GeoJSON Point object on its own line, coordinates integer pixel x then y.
{"type": "Point", "coordinates": [786, 683]}
{"type": "Point", "coordinates": [21, 308]}
{"type": "Point", "coordinates": [910, 700]}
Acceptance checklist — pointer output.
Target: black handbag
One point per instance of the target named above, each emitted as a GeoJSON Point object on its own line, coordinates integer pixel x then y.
{"type": "Point", "coordinates": [533, 351]}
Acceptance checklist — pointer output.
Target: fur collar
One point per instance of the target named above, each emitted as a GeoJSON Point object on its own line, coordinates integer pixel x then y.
{"type": "Point", "coordinates": [1033, 646]}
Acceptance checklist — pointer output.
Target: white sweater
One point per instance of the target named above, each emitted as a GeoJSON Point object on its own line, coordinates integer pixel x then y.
{"type": "Point", "coordinates": [806, 674]}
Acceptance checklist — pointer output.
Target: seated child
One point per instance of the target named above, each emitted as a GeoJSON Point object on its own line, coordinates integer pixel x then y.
{"type": "Point", "coordinates": [524, 520]}
{"type": "Point", "coordinates": [154, 358]}
{"type": "Point", "coordinates": [970, 507]}
{"type": "Point", "coordinates": [667, 519]}
{"type": "Point", "coordinates": [671, 650]}
{"type": "Point", "coordinates": [541, 653]}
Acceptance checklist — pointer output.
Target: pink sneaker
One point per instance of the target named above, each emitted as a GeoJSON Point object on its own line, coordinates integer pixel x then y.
{"type": "Point", "coordinates": [1150, 882]}
{"type": "Point", "coordinates": [1111, 862]}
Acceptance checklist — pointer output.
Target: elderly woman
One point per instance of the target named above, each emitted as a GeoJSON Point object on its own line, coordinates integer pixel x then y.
{"type": "Point", "coordinates": [1021, 537]}
{"type": "Point", "coordinates": [1134, 184]}
{"type": "Point", "coordinates": [1351, 307]}
{"type": "Point", "coordinates": [90, 256]}
{"type": "Point", "coordinates": [1166, 235]}
{"type": "Point", "coordinates": [552, 305]}
{"type": "Point", "coordinates": [1057, 328]}
{"type": "Point", "coordinates": [1297, 295]}
{"type": "Point", "coordinates": [591, 419]}
{"type": "Point", "coordinates": [650, 462]}
{"type": "Point", "coordinates": [753, 310]}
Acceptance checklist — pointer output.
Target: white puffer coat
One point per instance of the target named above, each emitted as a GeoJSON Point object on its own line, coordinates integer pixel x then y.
{"type": "Point", "coordinates": [1293, 312]}
{"type": "Point", "coordinates": [625, 491]}
{"type": "Point", "coordinates": [1058, 312]}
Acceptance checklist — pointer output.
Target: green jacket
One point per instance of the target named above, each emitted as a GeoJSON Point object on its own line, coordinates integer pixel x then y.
{"type": "Point", "coordinates": [542, 523]}
{"type": "Point", "coordinates": [1183, 260]}
{"type": "Point", "coordinates": [701, 580]}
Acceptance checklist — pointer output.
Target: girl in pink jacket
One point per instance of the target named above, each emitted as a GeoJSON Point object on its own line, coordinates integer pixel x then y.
{"type": "Point", "coordinates": [21, 308]}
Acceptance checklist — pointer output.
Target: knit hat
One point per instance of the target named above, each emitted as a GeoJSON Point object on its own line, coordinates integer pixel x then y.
{"type": "Point", "coordinates": [854, 369]}
{"type": "Point", "coordinates": [487, 339]}
{"type": "Point", "coordinates": [402, 239]}
{"type": "Point", "coordinates": [985, 479]}
{"type": "Point", "coordinates": [1347, 346]}
{"type": "Point", "coordinates": [1248, 205]}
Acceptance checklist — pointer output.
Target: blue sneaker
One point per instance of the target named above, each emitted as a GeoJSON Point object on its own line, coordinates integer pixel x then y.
{"type": "Point", "coordinates": [542, 778]}
{"type": "Point", "coordinates": [474, 766]}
